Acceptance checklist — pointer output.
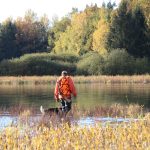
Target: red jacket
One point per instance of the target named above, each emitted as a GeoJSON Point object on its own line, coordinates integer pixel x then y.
{"type": "Point", "coordinates": [70, 85]}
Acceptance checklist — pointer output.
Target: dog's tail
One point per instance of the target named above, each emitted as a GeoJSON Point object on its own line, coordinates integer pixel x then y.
{"type": "Point", "coordinates": [42, 110]}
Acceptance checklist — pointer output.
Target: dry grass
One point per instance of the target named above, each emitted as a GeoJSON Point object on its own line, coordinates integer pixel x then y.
{"type": "Point", "coordinates": [113, 79]}
{"type": "Point", "coordinates": [20, 80]}
{"type": "Point", "coordinates": [11, 80]}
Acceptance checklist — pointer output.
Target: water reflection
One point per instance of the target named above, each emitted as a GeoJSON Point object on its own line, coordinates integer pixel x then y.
{"type": "Point", "coordinates": [106, 94]}
{"type": "Point", "coordinates": [89, 95]}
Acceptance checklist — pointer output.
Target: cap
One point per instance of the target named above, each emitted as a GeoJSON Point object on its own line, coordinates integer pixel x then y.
{"type": "Point", "coordinates": [64, 73]}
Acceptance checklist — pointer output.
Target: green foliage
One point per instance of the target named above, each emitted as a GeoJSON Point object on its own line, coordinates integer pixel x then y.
{"type": "Point", "coordinates": [90, 64]}
{"type": "Point", "coordinates": [27, 35]}
{"type": "Point", "coordinates": [144, 4]}
{"type": "Point", "coordinates": [8, 47]}
{"type": "Point", "coordinates": [65, 57]}
{"type": "Point", "coordinates": [119, 62]}
{"type": "Point", "coordinates": [56, 30]}
{"type": "Point", "coordinates": [77, 38]}
{"type": "Point", "coordinates": [39, 64]}
{"type": "Point", "coordinates": [142, 66]}
{"type": "Point", "coordinates": [92, 19]}
{"type": "Point", "coordinates": [128, 31]}
{"type": "Point", "coordinates": [119, 37]}
{"type": "Point", "coordinates": [70, 41]}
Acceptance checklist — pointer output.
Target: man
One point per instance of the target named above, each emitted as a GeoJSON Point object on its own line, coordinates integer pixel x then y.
{"type": "Point", "coordinates": [64, 89]}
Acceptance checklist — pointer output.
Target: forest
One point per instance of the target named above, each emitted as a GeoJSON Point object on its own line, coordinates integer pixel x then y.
{"type": "Point", "coordinates": [105, 40]}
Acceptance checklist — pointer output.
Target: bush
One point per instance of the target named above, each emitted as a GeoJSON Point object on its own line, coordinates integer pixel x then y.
{"type": "Point", "coordinates": [90, 64]}
{"type": "Point", "coordinates": [65, 57]}
{"type": "Point", "coordinates": [119, 62]}
{"type": "Point", "coordinates": [142, 66]}
{"type": "Point", "coordinates": [38, 64]}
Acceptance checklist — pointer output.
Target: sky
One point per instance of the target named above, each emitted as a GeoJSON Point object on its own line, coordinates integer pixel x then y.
{"type": "Point", "coordinates": [52, 8]}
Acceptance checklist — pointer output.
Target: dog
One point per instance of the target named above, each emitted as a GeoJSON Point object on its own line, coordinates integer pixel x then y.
{"type": "Point", "coordinates": [51, 111]}
{"type": "Point", "coordinates": [55, 115]}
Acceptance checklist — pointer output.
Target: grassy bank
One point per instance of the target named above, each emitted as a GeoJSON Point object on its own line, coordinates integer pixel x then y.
{"type": "Point", "coordinates": [19, 80]}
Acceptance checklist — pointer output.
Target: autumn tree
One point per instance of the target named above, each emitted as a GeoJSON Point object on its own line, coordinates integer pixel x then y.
{"type": "Point", "coordinates": [57, 28]}
{"type": "Point", "coordinates": [31, 34]}
{"type": "Point", "coordinates": [78, 36]}
{"type": "Point", "coordinates": [100, 35]}
{"type": "Point", "coordinates": [70, 40]}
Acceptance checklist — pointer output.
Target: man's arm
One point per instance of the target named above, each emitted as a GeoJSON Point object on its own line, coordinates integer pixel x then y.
{"type": "Point", "coordinates": [72, 87]}
{"type": "Point", "coordinates": [56, 92]}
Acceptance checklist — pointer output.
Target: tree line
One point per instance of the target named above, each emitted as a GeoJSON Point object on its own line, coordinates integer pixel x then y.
{"type": "Point", "coordinates": [98, 37]}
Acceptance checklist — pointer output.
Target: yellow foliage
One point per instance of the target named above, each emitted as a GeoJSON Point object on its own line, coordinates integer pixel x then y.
{"type": "Point", "coordinates": [78, 21]}
{"type": "Point", "coordinates": [70, 40]}
{"type": "Point", "coordinates": [132, 135]}
{"type": "Point", "coordinates": [100, 37]}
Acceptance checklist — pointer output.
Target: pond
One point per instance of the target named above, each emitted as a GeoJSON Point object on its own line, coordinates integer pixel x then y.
{"type": "Point", "coordinates": [89, 95]}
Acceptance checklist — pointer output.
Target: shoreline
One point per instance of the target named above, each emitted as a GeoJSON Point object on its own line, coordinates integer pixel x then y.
{"type": "Point", "coordinates": [21, 80]}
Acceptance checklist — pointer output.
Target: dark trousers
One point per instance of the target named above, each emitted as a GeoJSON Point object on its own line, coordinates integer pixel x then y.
{"type": "Point", "coordinates": [66, 106]}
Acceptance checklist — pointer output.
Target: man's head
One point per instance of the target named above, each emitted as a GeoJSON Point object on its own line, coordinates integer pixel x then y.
{"type": "Point", "coordinates": [64, 73]}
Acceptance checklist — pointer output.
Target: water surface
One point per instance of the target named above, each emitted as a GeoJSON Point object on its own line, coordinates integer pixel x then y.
{"type": "Point", "coordinates": [89, 95]}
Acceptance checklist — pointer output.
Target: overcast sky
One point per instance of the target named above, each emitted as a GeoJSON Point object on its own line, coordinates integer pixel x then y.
{"type": "Point", "coordinates": [15, 8]}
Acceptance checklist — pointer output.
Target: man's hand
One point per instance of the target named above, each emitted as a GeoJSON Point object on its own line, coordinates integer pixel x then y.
{"type": "Point", "coordinates": [57, 99]}
{"type": "Point", "coordinates": [75, 96]}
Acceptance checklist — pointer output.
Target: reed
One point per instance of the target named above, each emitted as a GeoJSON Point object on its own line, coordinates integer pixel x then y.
{"type": "Point", "coordinates": [115, 110]}
{"type": "Point", "coordinates": [132, 135]}
{"type": "Point", "coordinates": [59, 134]}
{"type": "Point", "coordinates": [113, 79]}
{"type": "Point", "coordinates": [23, 80]}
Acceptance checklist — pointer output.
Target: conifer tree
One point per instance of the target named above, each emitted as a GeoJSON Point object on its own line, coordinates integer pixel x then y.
{"type": "Point", "coordinates": [128, 31]}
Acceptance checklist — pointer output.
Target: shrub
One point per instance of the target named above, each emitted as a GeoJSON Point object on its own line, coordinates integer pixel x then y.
{"type": "Point", "coordinates": [119, 62]}
{"type": "Point", "coordinates": [65, 57]}
{"type": "Point", "coordinates": [38, 64]}
{"type": "Point", "coordinates": [142, 66]}
{"type": "Point", "coordinates": [90, 64]}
